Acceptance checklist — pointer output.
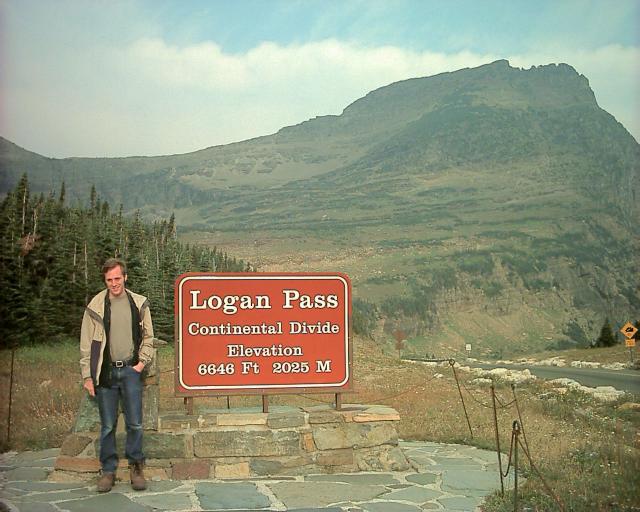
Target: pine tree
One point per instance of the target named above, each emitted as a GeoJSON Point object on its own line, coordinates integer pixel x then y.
{"type": "Point", "coordinates": [606, 338]}
{"type": "Point", "coordinates": [51, 255]}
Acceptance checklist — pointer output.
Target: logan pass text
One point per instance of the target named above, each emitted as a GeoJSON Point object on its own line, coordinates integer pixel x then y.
{"type": "Point", "coordinates": [230, 304]}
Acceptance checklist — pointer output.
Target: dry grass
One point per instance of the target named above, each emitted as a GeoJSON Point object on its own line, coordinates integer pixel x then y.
{"type": "Point", "coordinates": [45, 397]}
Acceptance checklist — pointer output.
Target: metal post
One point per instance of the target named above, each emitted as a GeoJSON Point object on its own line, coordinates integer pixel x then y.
{"type": "Point", "coordinates": [495, 423]}
{"type": "Point", "coordinates": [516, 433]}
{"type": "Point", "coordinates": [265, 403]}
{"type": "Point", "coordinates": [188, 404]}
{"type": "Point", "coordinates": [13, 355]}
{"type": "Point", "coordinates": [464, 407]}
{"type": "Point", "coordinates": [338, 401]}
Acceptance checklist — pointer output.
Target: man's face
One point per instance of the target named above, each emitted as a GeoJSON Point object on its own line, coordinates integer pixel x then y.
{"type": "Point", "coordinates": [115, 281]}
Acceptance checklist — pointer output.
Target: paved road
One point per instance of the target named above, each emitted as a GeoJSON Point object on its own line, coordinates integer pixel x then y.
{"type": "Point", "coordinates": [445, 478]}
{"type": "Point", "coordinates": [624, 380]}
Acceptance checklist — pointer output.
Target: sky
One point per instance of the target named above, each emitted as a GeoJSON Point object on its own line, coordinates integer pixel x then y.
{"type": "Point", "coordinates": [155, 77]}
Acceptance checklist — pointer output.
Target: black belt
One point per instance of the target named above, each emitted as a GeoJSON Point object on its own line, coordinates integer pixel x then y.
{"type": "Point", "coordinates": [121, 364]}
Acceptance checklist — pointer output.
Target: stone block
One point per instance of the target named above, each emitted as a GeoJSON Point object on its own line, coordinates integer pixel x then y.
{"type": "Point", "coordinates": [307, 442]}
{"type": "Point", "coordinates": [286, 419]}
{"type": "Point", "coordinates": [244, 419]}
{"type": "Point", "coordinates": [74, 444]}
{"type": "Point", "coordinates": [88, 417]}
{"type": "Point", "coordinates": [237, 470]}
{"type": "Point", "coordinates": [266, 466]}
{"type": "Point", "coordinates": [354, 435]}
{"type": "Point", "coordinates": [150, 407]}
{"type": "Point", "coordinates": [77, 464]}
{"type": "Point", "coordinates": [151, 373]}
{"type": "Point", "coordinates": [348, 416]}
{"type": "Point", "coordinates": [158, 463]}
{"type": "Point", "coordinates": [376, 413]}
{"type": "Point", "coordinates": [252, 443]}
{"type": "Point", "coordinates": [194, 469]}
{"type": "Point", "coordinates": [177, 422]}
{"type": "Point", "coordinates": [325, 416]}
{"type": "Point", "coordinates": [207, 420]}
{"type": "Point", "coordinates": [343, 457]}
{"type": "Point", "coordinates": [164, 445]}
{"type": "Point", "coordinates": [381, 458]}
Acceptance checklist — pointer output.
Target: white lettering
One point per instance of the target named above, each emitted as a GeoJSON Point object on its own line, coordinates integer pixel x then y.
{"type": "Point", "coordinates": [323, 366]}
{"type": "Point", "coordinates": [194, 300]}
{"type": "Point", "coordinates": [289, 296]}
{"type": "Point", "coordinates": [272, 351]}
{"type": "Point", "coordinates": [316, 328]}
{"type": "Point", "coordinates": [229, 303]}
{"type": "Point", "coordinates": [308, 302]}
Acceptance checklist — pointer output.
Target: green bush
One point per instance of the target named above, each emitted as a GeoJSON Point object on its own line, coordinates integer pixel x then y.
{"type": "Point", "coordinates": [364, 316]}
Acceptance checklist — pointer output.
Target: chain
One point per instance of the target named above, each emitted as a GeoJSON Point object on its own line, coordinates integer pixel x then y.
{"type": "Point", "coordinates": [503, 405]}
{"type": "Point", "coordinates": [515, 400]}
{"type": "Point", "coordinates": [482, 404]}
{"type": "Point", "coordinates": [513, 444]}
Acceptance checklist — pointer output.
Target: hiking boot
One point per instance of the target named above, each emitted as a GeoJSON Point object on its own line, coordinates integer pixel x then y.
{"type": "Point", "coordinates": [105, 482]}
{"type": "Point", "coordinates": [138, 483]}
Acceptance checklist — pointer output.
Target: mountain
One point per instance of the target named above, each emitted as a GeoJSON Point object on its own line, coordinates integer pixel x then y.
{"type": "Point", "coordinates": [494, 206]}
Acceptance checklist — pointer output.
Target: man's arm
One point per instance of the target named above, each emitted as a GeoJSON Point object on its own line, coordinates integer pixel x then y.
{"type": "Point", "coordinates": [86, 335]}
{"type": "Point", "coordinates": [146, 352]}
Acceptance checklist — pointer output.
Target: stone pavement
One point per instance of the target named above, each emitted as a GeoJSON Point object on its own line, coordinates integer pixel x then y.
{"type": "Point", "coordinates": [444, 477]}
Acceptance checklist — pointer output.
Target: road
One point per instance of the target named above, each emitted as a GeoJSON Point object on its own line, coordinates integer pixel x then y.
{"type": "Point", "coordinates": [624, 380]}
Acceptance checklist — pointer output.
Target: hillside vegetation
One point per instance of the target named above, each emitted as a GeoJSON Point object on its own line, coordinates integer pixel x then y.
{"type": "Point", "coordinates": [493, 206]}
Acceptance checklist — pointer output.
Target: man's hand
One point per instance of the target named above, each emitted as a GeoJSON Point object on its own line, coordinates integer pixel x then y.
{"type": "Point", "coordinates": [88, 385]}
{"type": "Point", "coordinates": [139, 367]}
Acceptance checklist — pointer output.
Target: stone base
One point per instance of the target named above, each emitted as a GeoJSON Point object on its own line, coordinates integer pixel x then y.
{"type": "Point", "coordinates": [242, 443]}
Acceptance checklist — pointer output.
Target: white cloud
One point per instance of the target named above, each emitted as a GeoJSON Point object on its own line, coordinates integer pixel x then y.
{"type": "Point", "coordinates": [152, 97]}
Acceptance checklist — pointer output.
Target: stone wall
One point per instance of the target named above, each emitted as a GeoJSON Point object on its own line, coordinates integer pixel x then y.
{"type": "Point", "coordinates": [240, 443]}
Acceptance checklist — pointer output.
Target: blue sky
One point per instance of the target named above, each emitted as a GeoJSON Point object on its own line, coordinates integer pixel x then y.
{"type": "Point", "coordinates": [118, 78]}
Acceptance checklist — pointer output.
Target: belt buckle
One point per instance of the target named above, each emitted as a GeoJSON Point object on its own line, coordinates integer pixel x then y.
{"type": "Point", "coordinates": [119, 364]}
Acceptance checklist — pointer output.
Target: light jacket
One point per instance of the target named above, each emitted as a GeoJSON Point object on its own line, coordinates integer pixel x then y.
{"type": "Point", "coordinates": [95, 361]}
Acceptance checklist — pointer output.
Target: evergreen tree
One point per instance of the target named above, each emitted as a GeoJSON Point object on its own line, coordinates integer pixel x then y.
{"type": "Point", "coordinates": [606, 338]}
{"type": "Point", "coordinates": [51, 256]}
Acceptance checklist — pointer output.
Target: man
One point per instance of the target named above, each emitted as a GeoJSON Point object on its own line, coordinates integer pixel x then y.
{"type": "Point", "coordinates": [116, 343]}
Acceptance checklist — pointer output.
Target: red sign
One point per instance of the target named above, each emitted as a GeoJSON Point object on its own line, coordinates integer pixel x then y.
{"type": "Point", "coordinates": [262, 332]}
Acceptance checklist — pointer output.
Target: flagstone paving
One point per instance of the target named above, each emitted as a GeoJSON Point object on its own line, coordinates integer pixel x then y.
{"type": "Point", "coordinates": [444, 477]}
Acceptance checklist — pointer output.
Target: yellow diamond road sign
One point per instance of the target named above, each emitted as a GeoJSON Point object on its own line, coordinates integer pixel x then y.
{"type": "Point", "coordinates": [628, 330]}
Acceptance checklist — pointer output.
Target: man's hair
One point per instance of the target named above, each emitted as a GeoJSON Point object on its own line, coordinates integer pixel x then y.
{"type": "Point", "coordinates": [113, 263]}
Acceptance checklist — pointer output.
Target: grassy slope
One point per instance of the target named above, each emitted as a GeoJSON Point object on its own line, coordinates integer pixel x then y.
{"type": "Point", "coordinates": [389, 235]}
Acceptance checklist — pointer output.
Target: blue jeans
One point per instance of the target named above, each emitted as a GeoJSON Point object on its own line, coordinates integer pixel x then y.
{"type": "Point", "coordinates": [126, 385]}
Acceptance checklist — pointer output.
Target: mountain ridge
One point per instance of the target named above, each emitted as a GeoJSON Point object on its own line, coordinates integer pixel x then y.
{"type": "Point", "coordinates": [491, 190]}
